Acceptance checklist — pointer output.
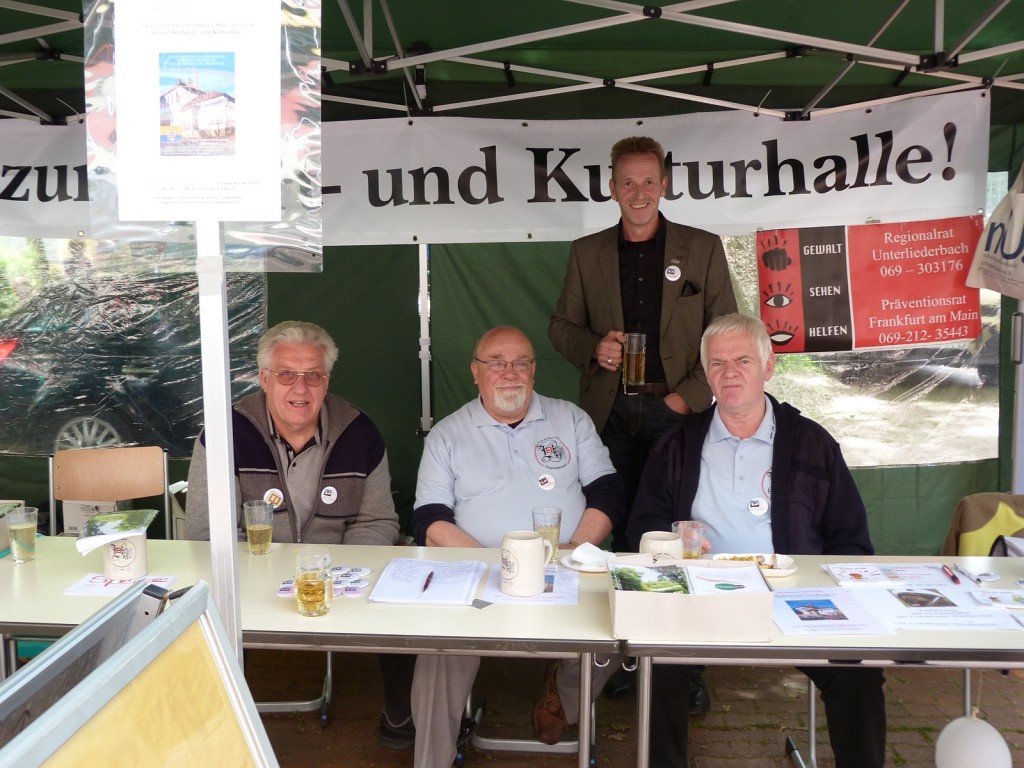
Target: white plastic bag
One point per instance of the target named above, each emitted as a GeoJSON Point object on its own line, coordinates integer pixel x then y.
{"type": "Point", "coordinates": [999, 258]}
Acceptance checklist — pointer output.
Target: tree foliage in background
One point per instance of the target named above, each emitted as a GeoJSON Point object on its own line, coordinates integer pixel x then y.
{"type": "Point", "coordinates": [23, 267]}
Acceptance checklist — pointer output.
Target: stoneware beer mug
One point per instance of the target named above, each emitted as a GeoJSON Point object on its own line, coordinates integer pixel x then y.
{"type": "Point", "coordinates": [523, 557]}
{"type": "Point", "coordinates": [314, 589]}
{"type": "Point", "coordinates": [661, 543]}
{"type": "Point", "coordinates": [125, 559]}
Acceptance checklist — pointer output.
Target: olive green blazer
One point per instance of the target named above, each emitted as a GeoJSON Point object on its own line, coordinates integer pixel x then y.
{"type": "Point", "coordinates": [591, 305]}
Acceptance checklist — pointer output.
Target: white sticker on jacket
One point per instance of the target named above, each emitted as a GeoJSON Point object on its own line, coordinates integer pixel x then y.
{"type": "Point", "coordinates": [758, 506]}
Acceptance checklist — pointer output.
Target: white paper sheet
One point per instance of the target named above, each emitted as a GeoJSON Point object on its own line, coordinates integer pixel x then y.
{"type": "Point", "coordinates": [1000, 598]}
{"type": "Point", "coordinates": [96, 584]}
{"type": "Point", "coordinates": [824, 611]}
{"type": "Point", "coordinates": [927, 607]}
{"type": "Point", "coordinates": [719, 581]}
{"type": "Point", "coordinates": [561, 587]}
{"type": "Point", "coordinates": [226, 56]}
{"type": "Point", "coordinates": [886, 575]}
{"type": "Point", "coordinates": [428, 582]}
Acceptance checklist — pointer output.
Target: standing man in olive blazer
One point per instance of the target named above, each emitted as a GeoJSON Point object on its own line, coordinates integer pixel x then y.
{"type": "Point", "coordinates": [644, 275]}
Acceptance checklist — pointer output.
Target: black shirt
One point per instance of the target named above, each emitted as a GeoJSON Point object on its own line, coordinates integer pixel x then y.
{"type": "Point", "coordinates": [640, 280]}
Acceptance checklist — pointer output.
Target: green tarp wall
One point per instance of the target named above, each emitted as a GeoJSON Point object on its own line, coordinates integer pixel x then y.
{"type": "Point", "coordinates": [367, 298]}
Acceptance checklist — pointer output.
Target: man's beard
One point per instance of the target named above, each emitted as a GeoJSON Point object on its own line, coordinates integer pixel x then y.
{"type": "Point", "coordinates": [508, 399]}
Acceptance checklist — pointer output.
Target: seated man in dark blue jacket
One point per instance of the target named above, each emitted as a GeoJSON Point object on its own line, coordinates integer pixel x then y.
{"type": "Point", "coordinates": [761, 478]}
{"type": "Point", "coordinates": [322, 463]}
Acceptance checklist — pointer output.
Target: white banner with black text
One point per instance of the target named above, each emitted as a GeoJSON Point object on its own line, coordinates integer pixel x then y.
{"type": "Point", "coordinates": [465, 180]}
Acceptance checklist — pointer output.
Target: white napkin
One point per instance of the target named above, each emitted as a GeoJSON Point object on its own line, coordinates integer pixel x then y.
{"type": "Point", "coordinates": [588, 554]}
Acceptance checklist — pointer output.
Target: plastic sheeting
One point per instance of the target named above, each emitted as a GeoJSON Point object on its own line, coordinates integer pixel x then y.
{"type": "Point", "coordinates": [293, 244]}
{"type": "Point", "coordinates": [92, 360]}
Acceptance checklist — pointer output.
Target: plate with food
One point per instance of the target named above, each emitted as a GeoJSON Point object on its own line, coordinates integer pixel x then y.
{"type": "Point", "coordinates": [773, 566]}
{"type": "Point", "coordinates": [587, 558]}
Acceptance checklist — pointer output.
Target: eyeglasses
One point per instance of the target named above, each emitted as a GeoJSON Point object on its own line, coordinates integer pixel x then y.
{"type": "Point", "coordinates": [499, 366]}
{"type": "Point", "coordinates": [288, 377]}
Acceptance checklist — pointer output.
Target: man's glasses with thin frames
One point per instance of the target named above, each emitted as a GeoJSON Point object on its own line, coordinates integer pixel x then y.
{"type": "Point", "coordinates": [499, 366]}
{"type": "Point", "coordinates": [286, 377]}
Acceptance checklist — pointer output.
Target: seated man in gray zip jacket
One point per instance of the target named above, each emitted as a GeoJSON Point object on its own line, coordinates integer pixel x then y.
{"type": "Point", "coordinates": [323, 465]}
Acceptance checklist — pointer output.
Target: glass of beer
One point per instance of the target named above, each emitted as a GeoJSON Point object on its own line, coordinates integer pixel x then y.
{"type": "Point", "coordinates": [634, 359]}
{"type": "Point", "coordinates": [21, 531]}
{"type": "Point", "coordinates": [547, 521]}
{"type": "Point", "coordinates": [314, 589]}
{"type": "Point", "coordinates": [692, 535]}
{"type": "Point", "coordinates": [259, 524]}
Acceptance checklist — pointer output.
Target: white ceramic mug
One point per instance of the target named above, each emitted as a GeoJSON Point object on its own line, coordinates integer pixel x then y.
{"type": "Point", "coordinates": [125, 558]}
{"type": "Point", "coordinates": [661, 543]}
{"type": "Point", "coordinates": [523, 556]}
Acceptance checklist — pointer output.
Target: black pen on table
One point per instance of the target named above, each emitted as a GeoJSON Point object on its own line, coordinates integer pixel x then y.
{"type": "Point", "coordinates": [426, 581]}
{"type": "Point", "coordinates": [946, 569]}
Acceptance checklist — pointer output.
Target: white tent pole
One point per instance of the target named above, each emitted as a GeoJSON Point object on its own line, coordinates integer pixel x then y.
{"type": "Point", "coordinates": [213, 329]}
{"type": "Point", "coordinates": [1016, 355]}
{"type": "Point", "coordinates": [426, 417]}
{"type": "Point", "coordinates": [49, 29]}
{"type": "Point", "coordinates": [976, 27]}
{"type": "Point", "coordinates": [939, 37]}
{"type": "Point", "coordinates": [36, 10]}
{"type": "Point", "coordinates": [22, 103]}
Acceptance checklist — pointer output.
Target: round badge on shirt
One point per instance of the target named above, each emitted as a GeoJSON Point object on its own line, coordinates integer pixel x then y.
{"type": "Point", "coordinates": [546, 482]}
{"type": "Point", "coordinates": [673, 273]}
{"type": "Point", "coordinates": [758, 506]}
{"type": "Point", "coordinates": [274, 496]}
{"type": "Point", "coordinates": [329, 495]}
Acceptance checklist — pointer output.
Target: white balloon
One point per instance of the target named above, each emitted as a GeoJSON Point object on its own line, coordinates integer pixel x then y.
{"type": "Point", "coordinates": [968, 742]}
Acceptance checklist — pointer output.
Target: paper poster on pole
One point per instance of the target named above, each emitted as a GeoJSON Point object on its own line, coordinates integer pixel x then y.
{"type": "Point", "coordinates": [828, 289]}
{"type": "Point", "coordinates": [199, 138]}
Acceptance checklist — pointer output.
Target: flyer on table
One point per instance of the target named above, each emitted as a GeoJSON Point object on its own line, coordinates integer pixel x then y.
{"type": "Point", "coordinates": [200, 136]}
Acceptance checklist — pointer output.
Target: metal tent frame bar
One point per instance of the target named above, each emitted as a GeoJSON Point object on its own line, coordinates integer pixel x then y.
{"type": "Point", "coordinates": [939, 64]}
{"type": "Point", "coordinates": [799, 45]}
{"type": "Point", "coordinates": [71, 21]}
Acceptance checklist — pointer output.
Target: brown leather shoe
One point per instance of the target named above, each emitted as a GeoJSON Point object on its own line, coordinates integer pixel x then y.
{"type": "Point", "coordinates": [548, 716]}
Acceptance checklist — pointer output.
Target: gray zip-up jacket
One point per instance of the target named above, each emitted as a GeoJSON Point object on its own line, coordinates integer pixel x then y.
{"type": "Point", "coordinates": [353, 496]}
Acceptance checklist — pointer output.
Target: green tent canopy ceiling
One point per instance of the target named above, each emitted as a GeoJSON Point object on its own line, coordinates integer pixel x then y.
{"type": "Point", "coordinates": [542, 59]}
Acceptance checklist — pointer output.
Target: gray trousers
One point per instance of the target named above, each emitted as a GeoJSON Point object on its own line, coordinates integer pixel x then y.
{"type": "Point", "coordinates": [441, 686]}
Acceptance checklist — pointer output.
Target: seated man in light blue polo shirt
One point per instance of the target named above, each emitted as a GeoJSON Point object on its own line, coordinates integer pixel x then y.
{"type": "Point", "coordinates": [484, 468]}
{"type": "Point", "coordinates": [761, 477]}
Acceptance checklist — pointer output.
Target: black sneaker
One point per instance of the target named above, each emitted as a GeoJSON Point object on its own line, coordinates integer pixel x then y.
{"type": "Point", "coordinates": [700, 698]}
{"type": "Point", "coordinates": [621, 684]}
{"type": "Point", "coordinates": [466, 732]}
{"type": "Point", "coordinates": [398, 737]}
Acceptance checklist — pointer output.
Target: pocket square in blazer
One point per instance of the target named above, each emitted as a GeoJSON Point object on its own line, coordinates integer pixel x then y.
{"type": "Point", "coordinates": [689, 289]}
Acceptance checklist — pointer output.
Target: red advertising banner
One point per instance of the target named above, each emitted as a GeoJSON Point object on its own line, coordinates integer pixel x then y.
{"type": "Point", "coordinates": [827, 289]}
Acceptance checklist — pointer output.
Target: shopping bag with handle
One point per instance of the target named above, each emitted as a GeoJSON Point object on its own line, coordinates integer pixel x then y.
{"type": "Point", "coordinates": [999, 258]}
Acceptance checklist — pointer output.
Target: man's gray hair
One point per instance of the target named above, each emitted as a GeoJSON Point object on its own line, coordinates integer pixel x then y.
{"type": "Point", "coordinates": [297, 332]}
{"type": "Point", "coordinates": [737, 323]}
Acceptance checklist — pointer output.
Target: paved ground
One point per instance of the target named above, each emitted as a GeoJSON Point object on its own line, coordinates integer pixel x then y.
{"type": "Point", "coordinates": [753, 711]}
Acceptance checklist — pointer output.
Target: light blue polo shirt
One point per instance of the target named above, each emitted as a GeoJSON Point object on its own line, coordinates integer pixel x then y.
{"type": "Point", "coordinates": [734, 495]}
{"type": "Point", "coordinates": [493, 476]}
